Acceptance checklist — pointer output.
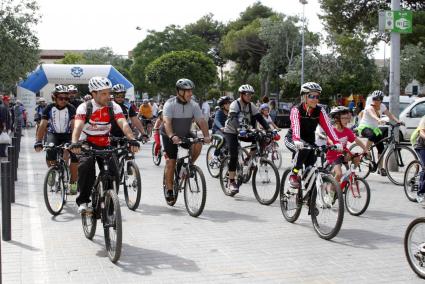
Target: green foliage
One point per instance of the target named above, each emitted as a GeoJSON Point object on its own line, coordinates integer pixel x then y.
{"type": "Point", "coordinates": [72, 58]}
{"type": "Point", "coordinates": [213, 93]}
{"type": "Point", "coordinates": [208, 29]}
{"type": "Point", "coordinates": [18, 42]}
{"type": "Point", "coordinates": [256, 11]}
{"type": "Point", "coordinates": [163, 72]}
{"type": "Point", "coordinates": [412, 64]}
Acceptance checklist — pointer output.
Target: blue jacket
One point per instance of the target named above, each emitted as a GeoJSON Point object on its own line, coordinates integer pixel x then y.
{"type": "Point", "coordinates": [219, 120]}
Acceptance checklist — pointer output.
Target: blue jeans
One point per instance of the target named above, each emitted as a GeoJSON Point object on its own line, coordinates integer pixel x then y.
{"type": "Point", "coordinates": [421, 155]}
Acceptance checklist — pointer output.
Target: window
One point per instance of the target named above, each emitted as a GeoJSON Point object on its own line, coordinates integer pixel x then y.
{"type": "Point", "coordinates": [418, 110]}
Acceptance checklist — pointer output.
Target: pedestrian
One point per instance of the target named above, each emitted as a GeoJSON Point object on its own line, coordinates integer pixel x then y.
{"type": "Point", "coordinates": [4, 125]}
{"type": "Point", "coordinates": [273, 110]}
{"type": "Point", "coordinates": [206, 109]}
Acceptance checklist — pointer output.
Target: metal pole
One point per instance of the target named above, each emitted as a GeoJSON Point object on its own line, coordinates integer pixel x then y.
{"type": "Point", "coordinates": [11, 180]}
{"type": "Point", "coordinates": [6, 211]}
{"type": "Point", "coordinates": [302, 46]}
{"type": "Point", "coordinates": [15, 158]}
{"type": "Point", "coordinates": [395, 67]}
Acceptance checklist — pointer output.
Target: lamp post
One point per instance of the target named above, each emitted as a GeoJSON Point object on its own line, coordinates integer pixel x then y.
{"type": "Point", "coordinates": [303, 2]}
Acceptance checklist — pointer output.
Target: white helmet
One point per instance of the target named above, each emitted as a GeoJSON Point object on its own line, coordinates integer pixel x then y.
{"type": "Point", "coordinates": [246, 89]}
{"type": "Point", "coordinates": [99, 84]}
{"type": "Point", "coordinates": [60, 89]}
{"type": "Point", "coordinates": [72, 89]}
{"type": "Point", "coordinates": [42, 100]}
{"type": "Point", "coordinates": [118, 88]}
{"type": "Point", "coordinates": [310, 87]}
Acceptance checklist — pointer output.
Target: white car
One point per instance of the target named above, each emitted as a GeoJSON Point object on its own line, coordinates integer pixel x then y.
{"type": "Point", "coordinates": [411, 116]}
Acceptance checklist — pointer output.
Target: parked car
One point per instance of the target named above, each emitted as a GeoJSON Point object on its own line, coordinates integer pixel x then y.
{"type": "Point", "coordinates": [411, 116]}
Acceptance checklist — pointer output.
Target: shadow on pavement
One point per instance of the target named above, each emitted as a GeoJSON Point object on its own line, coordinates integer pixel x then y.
{"type": "Point", "coordinates": [385, 215]}
{"type": "Point", "coordinates": [359, 238]}
{"type": "Point", "coordinates": [154, 210]}
{"type": "Point", "coordinates": [23, 205]}
{"type": "Point", "coordinates": [24, 246]}
{"type": "Point", "coordinates": [223, 216]}
{"type": "Point", "coordinates": [68, 214]}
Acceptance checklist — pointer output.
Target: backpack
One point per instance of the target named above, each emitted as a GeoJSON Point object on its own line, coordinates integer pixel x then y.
{"type": "Point", "coordinates": [89, 111]}
{"type": "Point", "coordinates": [414, 137]}
{"type": "Point", "coordinates": [250, 113]}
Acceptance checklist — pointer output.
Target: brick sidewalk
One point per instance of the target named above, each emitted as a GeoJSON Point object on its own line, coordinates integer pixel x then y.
{"type": "Point", "coordinates": [234, 240]}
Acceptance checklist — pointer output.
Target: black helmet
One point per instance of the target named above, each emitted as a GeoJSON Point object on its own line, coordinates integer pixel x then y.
{"type": "Point", "coordinates": [184, 84]}
{"type": "Point", "coordinates": [377, 95]}
{"type": "Point", "coordinates": [339, 110]}
{"type": "Point", "coordinates": [223, 100]}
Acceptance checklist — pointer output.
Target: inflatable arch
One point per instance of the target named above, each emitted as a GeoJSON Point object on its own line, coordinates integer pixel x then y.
{"type": "Point", "coordinates": [65, 74]}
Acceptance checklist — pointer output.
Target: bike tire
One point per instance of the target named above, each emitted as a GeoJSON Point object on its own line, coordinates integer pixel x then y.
{"type": "Point", "coordinates": [210, 153]}
{"type": "Point", "coordinates": [54, 209]}
{"type": "Point", "coordinates": [411, 180]}
{"type": "Point", "coordinates": [156, 158]}
{"type": "Point", "coordinates": [176, 192]}
{"type": "Point", "coordinates": [135, 186]}
{"type": "Point", "coordinates": [276, 156]}
{"type": "Point", "coordinates": [340, 211]}
{"type": "Point", "coordinates": [273, 195]}
{"type": "Point", "coordinates": [349, 194]}
{"type": "Point", "coordinates": [112, 205]}
{"type": "Point", "coordinates": [410, 255]}
{"type": "Point", "coordinates": [286, 192]}
{"type": "Point", "coordinates": [364, 168]}
{"type": "Point", "coordinates": [391, 175]}
{"type": "Point", "coordinates": [195, 211]}
{"type": "Point", "coordinates": [224, 169]}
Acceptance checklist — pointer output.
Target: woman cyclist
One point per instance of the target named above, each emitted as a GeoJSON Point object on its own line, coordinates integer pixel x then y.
{"type": "Point", "coordinates": [219, 122]}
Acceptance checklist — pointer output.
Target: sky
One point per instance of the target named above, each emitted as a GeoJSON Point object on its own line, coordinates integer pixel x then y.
{"type": "Point", "coordinates": [91, 24]}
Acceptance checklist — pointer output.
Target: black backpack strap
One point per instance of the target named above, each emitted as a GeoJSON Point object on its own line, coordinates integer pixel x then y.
{"type": "Point", "coordinates": [89, 110]}
{"type": "Point", "coordinates": [111, 112]}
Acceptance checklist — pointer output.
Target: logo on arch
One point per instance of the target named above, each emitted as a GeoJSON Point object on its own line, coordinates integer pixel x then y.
{"type": "Point", "coordinates": [77, 72]}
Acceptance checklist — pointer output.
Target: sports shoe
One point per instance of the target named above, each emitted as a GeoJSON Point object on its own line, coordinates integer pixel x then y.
{"type": "Point", "coordinates": [233, 187]}
{"type": "Point", "coordinates": [383, 172]}
{"type": "Point", "coordinates": [294, 181]}
{"type": "Point", "coordinates": [169, 195]}
{"type": "Point", "coordinates": [83, 208]}
{"type": "Point", "coordinates": [420, 197]}
{"type": "Point", "coordinates": [73, 188]}
{"type": "Point", "coordinates": [51, 179]}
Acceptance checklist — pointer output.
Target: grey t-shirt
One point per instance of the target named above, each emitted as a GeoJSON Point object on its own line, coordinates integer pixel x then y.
{"type": "Point", "coordinates": [239, 114]}
{"type": "Point", "coordinates": [181, 116]}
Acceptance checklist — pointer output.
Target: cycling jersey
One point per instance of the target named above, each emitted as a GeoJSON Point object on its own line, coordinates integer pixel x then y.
{"type": "Point", "coordinates": [97, 129]}
{"type": "Point", "coordinates": [146, 111]}
{"type": "Point", "coordinates": [128, 113]}
{"type": "Point", "coordinates": [59, 119]}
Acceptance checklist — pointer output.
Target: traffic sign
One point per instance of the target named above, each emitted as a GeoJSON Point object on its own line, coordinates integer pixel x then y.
{"type": "Point", "coordinates": [396, 21]}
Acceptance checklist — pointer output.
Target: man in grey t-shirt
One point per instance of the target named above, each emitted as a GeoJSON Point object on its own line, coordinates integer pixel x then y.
{"type": "Point", "coordinates": [178, 114]}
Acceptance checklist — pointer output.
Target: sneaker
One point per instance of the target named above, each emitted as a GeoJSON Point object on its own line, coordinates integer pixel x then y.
{"type": "Point", "coordinates": [294, 181]}
{"type": "Point", "coordinates": [420, 197]}
{"type": "Point", "coordinates": [233, 187]}
{"type": "Point", "coordinates": [169, 195]}
{"type": "Point", "coordinates": [73, 188]}
{"type": "Point", "coordinates": [214, 161]}
{"type": "Point", "coordinates": [51, 179]}
{"type": "Point", "coordinates": [383, 172]}
{"type": "Point", "coordinates": [83, 208]}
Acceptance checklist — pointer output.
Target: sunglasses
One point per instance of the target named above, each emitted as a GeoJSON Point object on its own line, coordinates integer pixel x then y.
{"type": "Point", "coordinates": [119, 96]}
{"type": "Point", "coordinates": [62, 98]}
{"type": "Point", "coordinates": [313, 97]}
{"type": "Point", "coordinates": [248, 94]}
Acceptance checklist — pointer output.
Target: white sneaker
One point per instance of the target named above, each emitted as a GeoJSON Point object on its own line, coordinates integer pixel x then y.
{"type": "Point", "coordinates": [83, 208]}
{"type": "Point", "coordinates": [420, 198]}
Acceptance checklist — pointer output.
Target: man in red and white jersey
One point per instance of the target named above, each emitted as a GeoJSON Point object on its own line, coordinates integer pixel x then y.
{"type": "Point", "coordinates": [93, 125]}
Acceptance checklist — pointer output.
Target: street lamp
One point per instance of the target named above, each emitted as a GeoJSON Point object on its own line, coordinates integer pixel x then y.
{"type": "Point", "coordinates": [303, 2]}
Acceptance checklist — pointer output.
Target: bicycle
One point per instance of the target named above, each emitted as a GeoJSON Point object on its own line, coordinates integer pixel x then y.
{"type": "Point", "coordinates": [56, 182]}
{"type": "Point", "coordinates": [414, 246]}
{"type": "Point", "coordinates": [411, 180]}
{"type": "Point", "coordinates": [393, 151]}
{"type": "Point", "coordinates": [187, 177]}
{"type": "Point", "coordinates": [213, 166]}
{"type": "Point", "coordinates": [105, 204]}
{"type": "Point", "coordinates": [129, 173]}
{"type": "Point", "coordinates": [156, 157]}
{"type": "Point", "coordinates": [256, 165]}
{"type": "Point", "coordinates": [147, 125]}
{"type": "Point", "coordinates": [320, 192]}
{"type": "Point", "coordinates": [274, 154]}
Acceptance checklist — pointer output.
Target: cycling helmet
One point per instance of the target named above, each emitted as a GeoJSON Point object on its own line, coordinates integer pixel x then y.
{"type": "Point", "coordinates": [42, 100]}
{"type": "Point", "coordinates": [339, 110]}
{"type": "Point", "coordinates": [264, 106]}
{"type": "Point", "coordinates": [118, 88]}
{"type": "Point", "coordinates": [223, 100]}
{"type": "Point", "coordinates": [60, 89]}
{"type": "Point", "coordinates": [310, 87]}
{"type": "Point", "coordinates": [72, 89]}
{"type": "Point", "coordinates": [87, 97]}
{"type": "Point", "coordinates": [159, 113]}
{"type": "Point", "coordinates": [99, 83]}
{"type": "Point", "coordinates": [145, 101]}
{"type": "Point", "coordinates": [377, 95]}
{"type": "Point", "coordinates": [246, 89]}
{"type": "Point", "coordinates": [184, 84]}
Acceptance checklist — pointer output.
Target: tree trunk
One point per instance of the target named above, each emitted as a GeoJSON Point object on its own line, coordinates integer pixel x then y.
{"type": "Point", "coordinates": [267, 85]}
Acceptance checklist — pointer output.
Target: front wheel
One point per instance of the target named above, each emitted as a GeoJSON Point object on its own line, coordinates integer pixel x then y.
{"type": "Point", "coordinates": [402, 155]}
{"type": "Point", "coordinates": [54, 191]}
{"type": "Point", "coordinates": [132, 185]}
{"type": "Point", "coordinates": [265, 182]}
{"type": "Point", "coordinates": [195, 192]}
{"type": "Point", "coordinates": [156, 157]}
{"type": "Point", "coordinates": [357, 196]}
{"type": "Point", "coordinates": [112, 225]}
{"type": "Point", "coordinates": [290, 199]}
{"type": "Point", "coordinates": [213, 165]}
{"type": "Point", "coordinates": [411, 180]}
{"type": "Point", "coordinates": [414, 246]}
{"type": "Point", "coordinates": [327, 208]}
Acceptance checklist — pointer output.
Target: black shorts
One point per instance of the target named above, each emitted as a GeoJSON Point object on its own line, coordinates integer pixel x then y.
{"type": "Point", "coordinates": [339, 161]}
{"type": "Point", "coordinates": [172, 149]}
{"type": "Point", "coordinates": [58, 139]}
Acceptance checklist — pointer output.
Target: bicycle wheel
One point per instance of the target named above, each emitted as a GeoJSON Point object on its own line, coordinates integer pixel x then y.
{"type": "Point", "coordinates": [265, 182]}
{"type": "Point", "coordinates": [327, 208]}
{"type": "Point", "coordinates": [411, 180]}
{"type": "Point", "coordinates": [224, 177]}
{"type": "Point", "coordinates": [357, 197]}
{"type": "Point", "coordinates": [54, 191]}
{"type": "Point", "coordinates": [112, 225]}
{"type": "Point", "coordinates": [243, 155]}
{"type": "Point", "coordinates": [89, 219]}
{"type": "Point", "coordinates": [365, 166]}
{"type": "Point", "coordinates": [213, 166]}
{"type": "Point", "coordinates": [403, 155]}
{"type": "Point", "coordinates": [195, 192]}
{"type": "Point", "coordinates": [156, 157]}
{"type": "Point", "coordinates": [132, 185]}
{"type": "Point", "coordinates": [414, 246]}
{"type": "Point", "coordinates": [176, 192]}
{"type": "Point", "coordinates": [290, 199]}
{"type": "Point", "coordinates": [275, 155]}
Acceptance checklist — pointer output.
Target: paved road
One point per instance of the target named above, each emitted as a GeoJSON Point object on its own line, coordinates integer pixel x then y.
{"type": "Point", "coordinates": [234, 240]}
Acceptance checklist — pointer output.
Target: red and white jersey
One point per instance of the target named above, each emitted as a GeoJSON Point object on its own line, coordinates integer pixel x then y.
{"type": "Point", "coordinates": [97, 130]}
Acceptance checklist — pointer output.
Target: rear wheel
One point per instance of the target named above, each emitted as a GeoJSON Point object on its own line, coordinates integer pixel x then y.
{"type": "Point", "coordinates": [213, 166]}
{"type": "Point", "coordinates": [357, 197]}
{"type": "Point", "coordinates": [195, 192]}
{"type": "Point", "coordinates": [112, 225]}
{"type": "Point", "coordinates": [290, 199]}
{"type": "Point", "coordinates": [414, 246]}
{"type": "Point", "coordinates": [403, 155]}
{"type": "Point", "coordinates": [411, 180]}
{"type": "Point", "coordinates": [224, 177]}
{"type": "Point", "coordinates": [275, 155]}
{"type": "Point", "coordinates": [265, 182]}
{"type": "Point", "coordinates": [156, 157]}
{"type": "Point", "coordinates": [132, 185]}
{"type": "Point", "coordinates": [54, 191]}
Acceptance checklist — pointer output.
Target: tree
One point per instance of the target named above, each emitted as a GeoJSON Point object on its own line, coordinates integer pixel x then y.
{"type": "Point", "coordinates": [256, 11]}
{"type": "Point", "coordinates": [72, 58]}
{"type": "Point", "coordinates": [172, 38]}
{"type": "Point", "coordinates": [208, 29]}
{"type": "Point", "coordinates": [412, 64]}
{"type": "Point", "coordinates": [163, 72]}
{"type": "Point", "coordinates": [19, 44]}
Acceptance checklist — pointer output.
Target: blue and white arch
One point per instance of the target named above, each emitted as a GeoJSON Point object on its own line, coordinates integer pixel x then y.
{"type": "Point", "coordinates": [66, 74]}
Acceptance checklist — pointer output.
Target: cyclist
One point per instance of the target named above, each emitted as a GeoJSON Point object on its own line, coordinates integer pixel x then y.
{"type": "Point", "coordinates": [220, 118]}
{"type": "Point", "coordinates": [178, 114]}
{"type": "Point", "coordinates": [370, 121]}
{"type": "Point", "coordinates": [93, 125]}
{"type": "Point", "coordinates": [304, 119]}
{"type": "Point", "coordinates": [118, 92]}
{"type": "Point", "coordinates": [418, 142]}
{"type": "Point", "coordinates": [73, 93]}
{"type": "Point", "coordinates": [156, 137]}
{"type": "Point", "coordinates": [265, 109]}
{"type": "Point", "coordinates": [57, 120]}
{"type": "Point", "coordinates": [341, 116]}
{"type": "Point", "coordinates": [242, 113]}
{"type": "Point", "coordinates": [39, 111]}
